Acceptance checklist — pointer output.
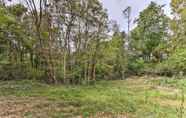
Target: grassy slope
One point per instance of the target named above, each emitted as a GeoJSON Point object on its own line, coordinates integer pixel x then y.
{"type": "Point", "coordinates": [134, 98]}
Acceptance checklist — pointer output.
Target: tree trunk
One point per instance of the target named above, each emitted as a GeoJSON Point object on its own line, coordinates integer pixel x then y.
{"type": "Point", "coordinates": [64, 68]}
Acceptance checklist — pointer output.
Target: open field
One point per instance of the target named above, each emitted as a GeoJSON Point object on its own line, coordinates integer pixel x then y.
{"type": "Point", "coordinates": [138, 97]}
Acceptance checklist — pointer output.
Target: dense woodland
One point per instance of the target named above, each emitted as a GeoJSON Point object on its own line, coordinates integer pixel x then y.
{"type": "Point", "coordinates": [74, 42]}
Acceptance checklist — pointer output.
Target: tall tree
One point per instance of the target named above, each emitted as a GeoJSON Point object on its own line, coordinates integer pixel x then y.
{"type": "Point", "coordinates": [151, 30]}
{"type": "Point", "coordinates": [178, 24]}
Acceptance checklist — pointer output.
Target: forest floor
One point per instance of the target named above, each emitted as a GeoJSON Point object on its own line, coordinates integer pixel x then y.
{"type": "Point", "coordinates": [137, 97]}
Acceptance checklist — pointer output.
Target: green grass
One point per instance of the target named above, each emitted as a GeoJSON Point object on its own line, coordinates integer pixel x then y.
{"type": "Point", "coordinates": [137, 98]}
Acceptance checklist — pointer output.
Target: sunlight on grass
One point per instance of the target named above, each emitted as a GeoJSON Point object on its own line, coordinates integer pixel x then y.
{"type": "Point", "coordinates": [140, 98]}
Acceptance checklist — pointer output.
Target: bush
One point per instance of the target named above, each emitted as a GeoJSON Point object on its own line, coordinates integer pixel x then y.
{"type": "Point", "coordinates": [12, 72]}
{"type": "Point", "coordinates": [164, 69]}
{"type": "Point", "coordinates": [175, 63]}
{"type": "Point", "coordinates": [136, 66]}
{"type": "Point", "coordinates": [18, 72]}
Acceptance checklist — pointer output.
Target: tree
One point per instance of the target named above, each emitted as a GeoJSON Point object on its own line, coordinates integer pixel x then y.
{"type": "Point", "coordinates": [151, 31]}
{"type": "Point", "coordinates": [177, 44]}
{"type": "Point", "coordinates": [178, 24]}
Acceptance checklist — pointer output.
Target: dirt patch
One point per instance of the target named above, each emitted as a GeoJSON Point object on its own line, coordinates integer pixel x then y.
{"type": "Point", "coordinates": [110, 115]}
{"type": "Point", "coordinates": [168, 90]}
{"type": "Point", "coordinates": [171, 103]}
{"type": "Point", "coordinates": [13, 107]}
{"type": "Point", "coordinates": [31, 107]}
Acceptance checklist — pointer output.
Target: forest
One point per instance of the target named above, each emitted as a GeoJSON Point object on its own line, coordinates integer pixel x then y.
{"type": "Point", "coordinates": [68, 59]}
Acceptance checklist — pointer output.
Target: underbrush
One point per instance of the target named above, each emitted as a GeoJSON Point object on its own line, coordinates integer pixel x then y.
{"type": "Point", "coordinates": [137, 98]}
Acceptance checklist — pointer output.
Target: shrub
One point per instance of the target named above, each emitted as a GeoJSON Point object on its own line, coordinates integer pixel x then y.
{"type": "Point", "coordinates": [18, 72]}
{"type": "Point", "coordinates": [13, 72]}
{"type": "Point", "coordinates": [174, 64]}
{"type": "Point", "coordinates": [136, 66]}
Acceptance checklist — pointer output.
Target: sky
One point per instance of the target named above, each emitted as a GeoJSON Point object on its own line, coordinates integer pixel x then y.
{"type": "Point", "coordinates": [115, 8]}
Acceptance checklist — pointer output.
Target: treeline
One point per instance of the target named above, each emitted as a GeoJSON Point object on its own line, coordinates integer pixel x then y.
{"type": "Point", "coordinates": [160, 40]}
{"type": "Point", "coordinates": [68, 42]}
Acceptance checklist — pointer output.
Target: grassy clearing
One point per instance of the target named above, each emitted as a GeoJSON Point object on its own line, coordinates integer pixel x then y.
{"type": "Point", "coordinates": [145, 97]}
